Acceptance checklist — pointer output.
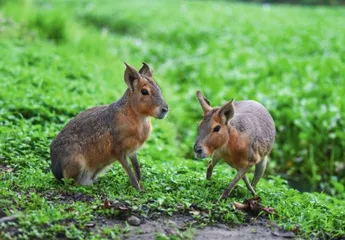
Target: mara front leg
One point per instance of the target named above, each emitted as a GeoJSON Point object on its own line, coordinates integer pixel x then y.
{"type": "Point", "coordinates": [240, 174]}
{"type": "Point", "coordinates": [129, 172]}
{"type": "Point", "coordinates": [249, 186]}
{"type": "Point", "coordinates": [136, 166]}
{"type": "Point", "coordinates": [213, 162]}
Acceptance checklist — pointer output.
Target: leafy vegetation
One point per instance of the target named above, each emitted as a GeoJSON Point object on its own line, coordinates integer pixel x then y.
{"type": "Point", "coordinates": [61, 57]}
{"type": "Point", "coordinates": [301, 2]}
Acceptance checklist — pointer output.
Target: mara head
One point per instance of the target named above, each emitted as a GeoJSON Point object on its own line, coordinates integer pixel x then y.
{"type": "Point", "coordinates": [212, 129]}
{"type": "Point", "coordinates": [145, 95]}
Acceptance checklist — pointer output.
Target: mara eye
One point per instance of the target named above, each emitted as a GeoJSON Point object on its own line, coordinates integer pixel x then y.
{"type": "Point", "coordinates": [144, 92]}
{"type": "Point", "coordinates": [217, 128]}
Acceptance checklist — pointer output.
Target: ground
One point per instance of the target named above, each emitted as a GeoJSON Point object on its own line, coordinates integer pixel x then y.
{"type": "Point", "coordinates": [129, 225]}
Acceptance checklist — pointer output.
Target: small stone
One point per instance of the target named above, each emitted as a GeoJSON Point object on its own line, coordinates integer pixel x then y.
{"type": "Point", "coordinates": [134, 221]}
{"type": "Point", "coordinates": [90, 225]}
{"type": "Point", "coordinates": [284, 234]}
{"type": "Point", "coordinates": [8, 219]}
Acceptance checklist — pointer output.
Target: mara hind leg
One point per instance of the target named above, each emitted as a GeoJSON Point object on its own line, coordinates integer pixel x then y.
{"type": "Point", "coordinates": [74, 168]}
{"type": "Point", "coordinates": [100, 171]}
{"type": "Point", "coordinates": [259, 171]}
{"type": "Point", "coordinates": [86, 177]}
{"type": "Point", "coordinates": [71, 169]}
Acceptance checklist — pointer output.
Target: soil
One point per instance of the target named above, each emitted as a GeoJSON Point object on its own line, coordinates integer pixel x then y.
{"type": "Point", "coordinates": [182, 227]}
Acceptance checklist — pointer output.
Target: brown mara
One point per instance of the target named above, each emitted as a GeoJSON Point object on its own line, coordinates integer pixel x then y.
{"type": "Point", "coordinates": [101, 135]}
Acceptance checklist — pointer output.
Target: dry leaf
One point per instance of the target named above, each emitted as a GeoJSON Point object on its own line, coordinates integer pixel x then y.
{"type": "Point", "coordinates": [123, 208]}
{"type": "Point", "coordinates": [240, 206]}
{"type": "Point", "coordinates": [194, 212]}
{"type": "Point", "coordinates": [253, 206]}
{"type": "Point", "coordinates": [269, 210]}
{"type": "Point", "coordinates": [106, 203]}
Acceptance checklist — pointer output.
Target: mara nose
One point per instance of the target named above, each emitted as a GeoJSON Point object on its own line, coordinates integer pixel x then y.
{"type": "Point", "coordinates": [162, 111]}
{"type": "Point", "coordinates": [198, 150]}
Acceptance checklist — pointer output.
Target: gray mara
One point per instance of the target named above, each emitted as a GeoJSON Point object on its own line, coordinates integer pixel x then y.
{"type": "Point", "coordinates": [101, 135]}
{"type": "Point", "coordinates": [242, 133]}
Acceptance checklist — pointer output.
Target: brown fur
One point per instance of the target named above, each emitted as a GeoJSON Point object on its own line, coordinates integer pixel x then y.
{"type": "Point", "coordinates": [214, 142]}
{"type": "Point", "coordinates": [101, 135]}
{"type": "Point", "coordinates": [245, 137]}
{"type": "Point", "coordinates": [235, 152]}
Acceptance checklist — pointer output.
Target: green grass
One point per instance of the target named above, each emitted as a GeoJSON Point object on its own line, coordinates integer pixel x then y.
{"type": "Point", "coordinates": [61, 57]}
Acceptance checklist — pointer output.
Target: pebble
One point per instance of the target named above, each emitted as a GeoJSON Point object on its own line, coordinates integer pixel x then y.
{"type": "Point", "coordinates": [134, 221]}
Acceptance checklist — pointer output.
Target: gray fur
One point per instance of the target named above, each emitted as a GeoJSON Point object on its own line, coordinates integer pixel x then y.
{"type": "Point", "coordinates": [251, 122]}
{"type": "Point", "coordinates": [253, 119]}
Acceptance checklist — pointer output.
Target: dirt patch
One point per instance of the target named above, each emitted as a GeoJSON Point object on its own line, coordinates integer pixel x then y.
{"type": "Point", "coordinates": [243, 232]}
{"type": "Point", "coordinates": [134, 226]}
{"type": "Point", "coordinates": [5, 169]}
{"type": "Point", "coordinates": [67, 197]}
{"type": "Point", "coordinates": [185, 227]}
{"type": "Point", "coordinates": [180, 226]}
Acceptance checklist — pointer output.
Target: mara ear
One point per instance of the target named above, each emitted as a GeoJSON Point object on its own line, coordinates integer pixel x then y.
{"type": "Point", "coordinates": [205, 104]}
{"type": "Point", "coordinates": [227, 111]}
{"type": "Point", "coordinates": [132, 76]}
{"type": "Point", "coordinates": [146, 71]}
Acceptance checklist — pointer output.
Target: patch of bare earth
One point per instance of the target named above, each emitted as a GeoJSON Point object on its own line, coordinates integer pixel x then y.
{"type": "Point", "coordinates": [5, 169]}
{"type": "Point", "coordinates": [185, 226]}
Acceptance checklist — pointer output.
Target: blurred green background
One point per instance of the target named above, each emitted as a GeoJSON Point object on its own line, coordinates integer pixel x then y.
{"type": "Point", "coordinates": [300, 2]}
{"type": "Point", "coordinates": [60, 57]}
